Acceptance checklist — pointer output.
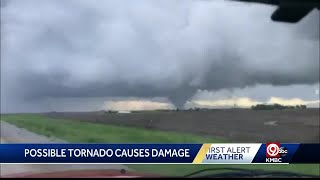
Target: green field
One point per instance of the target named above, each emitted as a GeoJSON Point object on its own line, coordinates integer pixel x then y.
{"type": "Point", "coordinates": [84, 132]}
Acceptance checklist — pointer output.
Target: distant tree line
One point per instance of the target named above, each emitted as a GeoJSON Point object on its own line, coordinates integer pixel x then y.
{"type": "Point", "coordinates": [276, 107]}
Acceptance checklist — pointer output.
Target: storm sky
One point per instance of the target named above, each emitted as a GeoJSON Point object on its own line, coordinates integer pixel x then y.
{"type": "Point", "coordinates": [83, 54]}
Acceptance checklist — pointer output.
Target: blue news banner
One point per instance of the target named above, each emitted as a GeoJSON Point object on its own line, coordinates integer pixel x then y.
{"type": "Point", "coordinates": [222, 153]}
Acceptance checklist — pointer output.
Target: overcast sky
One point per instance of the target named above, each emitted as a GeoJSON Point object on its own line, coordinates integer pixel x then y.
{"type": "Point", "coordinates": [80, 55]}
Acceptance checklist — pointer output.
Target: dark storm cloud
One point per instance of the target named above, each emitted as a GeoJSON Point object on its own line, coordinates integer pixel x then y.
{"type": "Point", "coordinates": [308, 27]}
{"type": "Point", "coordinates": [154, 48]}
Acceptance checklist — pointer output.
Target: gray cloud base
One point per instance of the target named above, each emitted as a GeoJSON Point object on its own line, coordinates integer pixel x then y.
{"type": "Point", "coordinates": [149, 48]}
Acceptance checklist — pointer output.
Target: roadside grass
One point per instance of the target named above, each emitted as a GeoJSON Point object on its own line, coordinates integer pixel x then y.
{"type": "Point", "coordinates": [85, 132]}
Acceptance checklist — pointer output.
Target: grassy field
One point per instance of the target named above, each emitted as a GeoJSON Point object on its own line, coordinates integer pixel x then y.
{"type": "Point", "coordinates": [84, 132]}
{"type": "Point", "coordinates": [238, 125]}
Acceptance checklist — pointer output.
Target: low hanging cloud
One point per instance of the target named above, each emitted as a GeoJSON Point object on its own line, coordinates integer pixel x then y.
{"type": "Point", "coordinates": [249, 96]}
{"type": "Point", "coordinates": [239, 102]}
{"type": "Point", "coordinates": [235, 102]}
{"type": "Point", "coordinates": [291, 102]}
{"type": "Point", "coordinates": [261, 92]}
{"type": "Point", "coordinates": [135, 105]}
{"type": "Point", "coordinates": [148, 48]}
{"type": "Point", "coordinates": [245, 102]}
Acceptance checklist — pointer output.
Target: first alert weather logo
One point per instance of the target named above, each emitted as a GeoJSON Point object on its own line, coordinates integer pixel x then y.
{"type": "Point", "coordinates": [227, 153]}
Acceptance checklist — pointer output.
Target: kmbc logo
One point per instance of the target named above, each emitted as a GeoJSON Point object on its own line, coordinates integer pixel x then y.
{"type": "Point", "coordinates": [274, 152]}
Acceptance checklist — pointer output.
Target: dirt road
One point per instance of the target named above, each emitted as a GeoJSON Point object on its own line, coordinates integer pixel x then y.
{"type": "Point", "coordinates": [12, 134]}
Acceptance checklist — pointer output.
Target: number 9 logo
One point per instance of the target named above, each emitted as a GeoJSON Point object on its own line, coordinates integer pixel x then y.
{"type": "Point", "coordinates": [273, 150]}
